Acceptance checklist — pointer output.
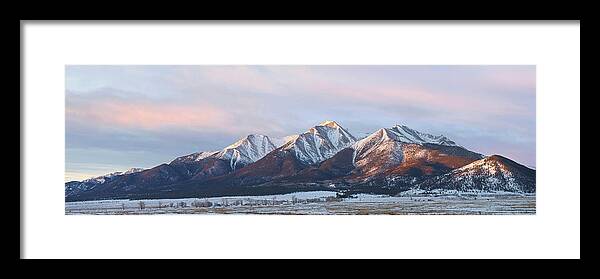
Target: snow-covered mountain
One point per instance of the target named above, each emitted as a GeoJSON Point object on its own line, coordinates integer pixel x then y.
{"type": "Point", "coordinates": [405, 134]}
{"type": "Point", "coordinates": [389, 147]}
{"type": "Point", "coordinates": [393, 159]}
{"type": "Point", "coordinates": [103, 178]}
{"type": "Point", "coordinates": [389, 138]}
{"type": "Point", "coordinates": [247, 150]}
{"type": "Point", "coordinates": [73, 187]}
{"type": "Point", "coordinates": [197, 166]}
{"type": "Point", "coordinates": [239, 154]}
{"type": "Point", "coordinates": [492, 173]}
{"type": "Point", "coordinates": [320, 142]}
{"type": "Point", "coordinates": [194, 157]}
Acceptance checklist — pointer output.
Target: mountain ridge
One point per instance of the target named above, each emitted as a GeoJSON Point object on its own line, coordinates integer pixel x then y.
{"type": "Point", "coordinates": [396, 158]}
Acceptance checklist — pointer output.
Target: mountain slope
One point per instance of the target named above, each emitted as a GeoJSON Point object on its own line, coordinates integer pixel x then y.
{"type": "Point", "coordinates": [73, 188]}
{"type": "Point", "coordinates": [193, 157]}
{"type": "Point", "coordinates": [309, 148]}
{"type": "Point", "coordinates": [198, 166]}
{"type": "Point", "coordinates": [493, 173]}
{"type": "Point", "coordinates": [401, 150]}
{"type": "Point", "coordinates": [320, 142]}
{"type": "Point", "coordinates": [393, 151]}
{"type": "Point", "coordinates": [245, 151]}
{"type": "Point", "coordinates": [389, 147]}
{"type": "Point", "coordinates": [390, 160]}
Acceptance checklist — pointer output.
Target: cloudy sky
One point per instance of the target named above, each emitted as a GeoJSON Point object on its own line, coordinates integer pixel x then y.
{"type": "Point", "coordinates": [118, 117]}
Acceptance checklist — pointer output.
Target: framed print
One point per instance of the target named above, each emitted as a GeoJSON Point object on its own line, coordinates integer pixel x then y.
{"type": "Point", "coordinates": [384, 139]}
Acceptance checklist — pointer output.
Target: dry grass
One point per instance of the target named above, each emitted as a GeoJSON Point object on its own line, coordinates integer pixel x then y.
{"type": "Point", "coordinates": [221, 210]}
{"type": "Point", "coordinates": [363, 211]}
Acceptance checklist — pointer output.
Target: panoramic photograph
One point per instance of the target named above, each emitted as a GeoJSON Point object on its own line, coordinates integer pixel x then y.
{"type": "Point", "coordinates": [300, 139]}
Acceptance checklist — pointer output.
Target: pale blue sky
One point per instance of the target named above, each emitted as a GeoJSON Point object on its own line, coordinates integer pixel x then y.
{"type": "Point", "coordinates": [118, 117]}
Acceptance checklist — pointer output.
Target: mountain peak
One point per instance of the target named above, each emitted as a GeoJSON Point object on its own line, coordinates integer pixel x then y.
{"type": "Point", "coordinates": [401, 126]}
{"type": "Point", "coordinates": [492, 173]}
{"type": "Point", "coordinates": [496, 157]}
{"type": "Point", "coordinates": [133, 170]}
{"type": "Point", "coordinates": [495, 162]}
{"type": "Point", "coordinates": [247, 150]}
{"type": "Point", "coordinates": [246, 140]}
{"type": "Point", "coordinates": [320, 142]}
{"type": "Point", "coordinates": [329, 123]}
{"type": "Point", "coordinates": [405, 134]}
{"type": "Point", "coordinates": [327, 128]}
{"type": "Point", "coordinates": [194, 157]}
{"type": "Point", "coordinates": [242, 152]}
{"type": "Point", "coordinates": [504, 161]}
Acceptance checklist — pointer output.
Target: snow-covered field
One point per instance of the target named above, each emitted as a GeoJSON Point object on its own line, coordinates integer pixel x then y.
{"type": "Point", "coordinates": [321, 202]}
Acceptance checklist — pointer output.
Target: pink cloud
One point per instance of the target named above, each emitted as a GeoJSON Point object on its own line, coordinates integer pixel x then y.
{"type": "Point", "coordinates": [149, 116]}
